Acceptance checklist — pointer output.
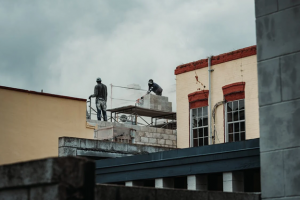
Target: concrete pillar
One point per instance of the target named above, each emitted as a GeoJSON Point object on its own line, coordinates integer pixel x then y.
{"type": "Point", "coordinates": [197, 182]}
{"type": "Point", "coordinates": [134, 183]}
{"type": "Point", "coordinates": [164, 183]}
{"type": "Point", "coordinates": [233, 182]}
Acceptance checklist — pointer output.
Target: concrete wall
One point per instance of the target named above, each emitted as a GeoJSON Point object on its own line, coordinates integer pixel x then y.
{"type": "Point", "coordinates": [144, 135]}
{"type": "Point", "coordinates": [53, 178]}
{"type": "Point", "coordinates": [69, 146]}
{"type": "Point", "coordinates": [155, 102]}
{"type": "Point", "coordinates": [111, 192]}
{"type": "Point", "coordinates": [278, 56]}
{"type": "Point", "coordinates": [31, 123]}
{"type": "Point", "coordinates": [223, 74]}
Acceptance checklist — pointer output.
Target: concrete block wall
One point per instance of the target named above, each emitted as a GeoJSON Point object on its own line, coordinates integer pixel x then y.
{"type": "Point", "coordinates": [145, 135]}
{"type": "Point", "coordinates": [278, 57]}
{"type": "Point", "coordinates": [156, 102]}
{"type": "Point", "coordinates": [52, 178]}
{"type": "Point", "coordinates": [114, 192]}
{"type": "Point", "coordinates": [69, 146]}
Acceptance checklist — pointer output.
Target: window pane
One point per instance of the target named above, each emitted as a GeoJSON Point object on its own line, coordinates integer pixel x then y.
{"type": "Point", "coordinates": [194, 112]}
{"type": "Point", "coordinates": [243, 136]}
{"type": "Point", "coordinates": [229, 106]}
{"type": "Point", "coordinates": [205, 121]}
{"type": "Point", "coordinates": [230, 128]}
{"type": "Point", "coordinates": [236, 127]}
{"type": "Point", "coordinates": [200, 141]}
{"type": "Point", "coordinates": [195, 134]}
{"type": "Point", "coordinates": [205, 131]}
{"type": "Point", "coordinates": [236, 137]}
{"type": "Point", "coordinates": [242, 115]}
{"type": "Point", "coordinates": [230, 137]}
{"type": "Point", "coordinates": [241, 104]}
{"type": "Point", "coordinates": [195, 144]}
{"type": "Point", "coordinates": [194, 123]}
{"type": "Point", "coordinates": [235, 106]}
{"type": "Point", "coordinates": [200, 132]}
{"type": "Point", "coordinates": [242, 124]}
{"type": "Point", "coordinates": [199, 122]}
{"type": "Point", "coordinates": [206, 141]}
{"type": "Point", "coordinates": [235, 116]}
{"type": "Point", "coordinates": [205, 111]}
{"type": "Point", "coordinates": [229, 117]}
{"type": "Point", "coordinates": [199, 112]}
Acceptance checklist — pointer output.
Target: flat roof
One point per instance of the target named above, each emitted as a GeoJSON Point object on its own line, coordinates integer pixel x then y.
{"type": "Point", "coordinates": [144, 112]}
{"type": "Point", "coordinates": [41, 93]}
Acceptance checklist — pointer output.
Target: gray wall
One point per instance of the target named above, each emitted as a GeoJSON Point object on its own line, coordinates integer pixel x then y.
{"type": "Point", "coordinates": [278, 57]}
{"type": "Point", "coordinates": [111, 192]}
{"type": "Point", "coordinates": [52, 178]}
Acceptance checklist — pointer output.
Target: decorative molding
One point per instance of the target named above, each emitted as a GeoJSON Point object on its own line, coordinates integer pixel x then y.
{"type": "Point", "coordinates": [198, 99]}
{"type": "Point", "coordinates": [234, 91]}
{"type": "Point", "coordinates": [226, 57]}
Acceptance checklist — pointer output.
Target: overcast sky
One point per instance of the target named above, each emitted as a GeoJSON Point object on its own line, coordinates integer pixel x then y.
{"type": "Point", "coordinates": [63, 46]}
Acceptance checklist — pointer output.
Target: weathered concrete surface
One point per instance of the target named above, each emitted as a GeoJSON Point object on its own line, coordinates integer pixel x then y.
{"type": "Point", "coordinates": [69, 146]}
{"type": "Point", "coordinates": [156, 102]}
{"type": "Point", "coordinates": [141, 134]}
{"type": "Point", "coordinates": [278, 47]}
{"type": "Point", "coordinates": [112, 192]}
{"type": "Point", "coordinates": [52, 178]}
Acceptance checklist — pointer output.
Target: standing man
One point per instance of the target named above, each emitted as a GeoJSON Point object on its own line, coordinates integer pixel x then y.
{"type": "Point", "coordinates": [100, 92]}
{"type": "Point", "coordinates": [153, 87]}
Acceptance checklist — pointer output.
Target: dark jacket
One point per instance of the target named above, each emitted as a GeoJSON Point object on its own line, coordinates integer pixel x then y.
{"type": "Point", "coordinates": [100, 91]}
{"type": "Point", "coordinates": [154, 87]}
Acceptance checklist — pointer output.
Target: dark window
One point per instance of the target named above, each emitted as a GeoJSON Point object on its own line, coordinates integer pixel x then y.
{"type": "Point", "coordinates": [199, 126]}
{"type": "Point", "coordinates": [235, 120]}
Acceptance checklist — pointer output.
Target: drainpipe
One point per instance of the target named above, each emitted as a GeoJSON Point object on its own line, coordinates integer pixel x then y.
{"type": "Point", "coordinates": [209, 99]}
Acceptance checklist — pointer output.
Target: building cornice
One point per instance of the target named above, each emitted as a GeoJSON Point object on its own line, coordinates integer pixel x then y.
{"type": "Point", "coordinates": [222, 58]}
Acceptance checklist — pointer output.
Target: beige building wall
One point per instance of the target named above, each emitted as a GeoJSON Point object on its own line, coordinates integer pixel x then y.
{"type": "Point", "coordinates": [30, 124]}
{"type": "Point", "coordinates": [243, 69]}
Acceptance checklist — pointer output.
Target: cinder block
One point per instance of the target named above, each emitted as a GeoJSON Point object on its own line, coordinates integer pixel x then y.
{"type": "Point", "coordinates": [142, 134]}
{"type": "Point", "coordinates": [149, 135]}
{"type": "Point", "coordinates": [144, 139]}
{"type": "Point", "coordinates": [66, 151]}
{"type": "Point", "coordinates": [165, 136]}
{"type": "Point", "coordinates": [169, 142]}
{"type": "Point", "coordinates": [152, 140]}
{"type": "Point", "coordinates": [160, 130]}
{"type": "Point", "coordinates": [137, 138]}
{"type": "Point", "coordinates": [152, 129]}
{"type": "Point", "coordinates": [168, 131]}
{"type": "Point", "coordinates": [172, 137]}
{"type": "Point", "coordinates": [161, 141]}
{"type": "Point", "coordinates": [145, 128]}
{"type": "Point", "coordinates": [157, 135]}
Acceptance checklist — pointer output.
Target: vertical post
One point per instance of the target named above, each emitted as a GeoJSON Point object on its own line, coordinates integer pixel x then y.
{"type": "Point", "coordinates": [209, 99]}
{"type": "Point", "coordinates": [90, 108]}
{"type": "Point", "coordinates": [111, 96]}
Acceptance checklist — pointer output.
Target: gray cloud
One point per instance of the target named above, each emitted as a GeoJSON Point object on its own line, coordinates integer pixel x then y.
{"type": "Point", "coordinates": [62, 46]}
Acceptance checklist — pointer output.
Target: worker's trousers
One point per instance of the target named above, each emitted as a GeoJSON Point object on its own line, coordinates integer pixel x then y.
{"type": "Point", "coordinates": [101, 106]}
